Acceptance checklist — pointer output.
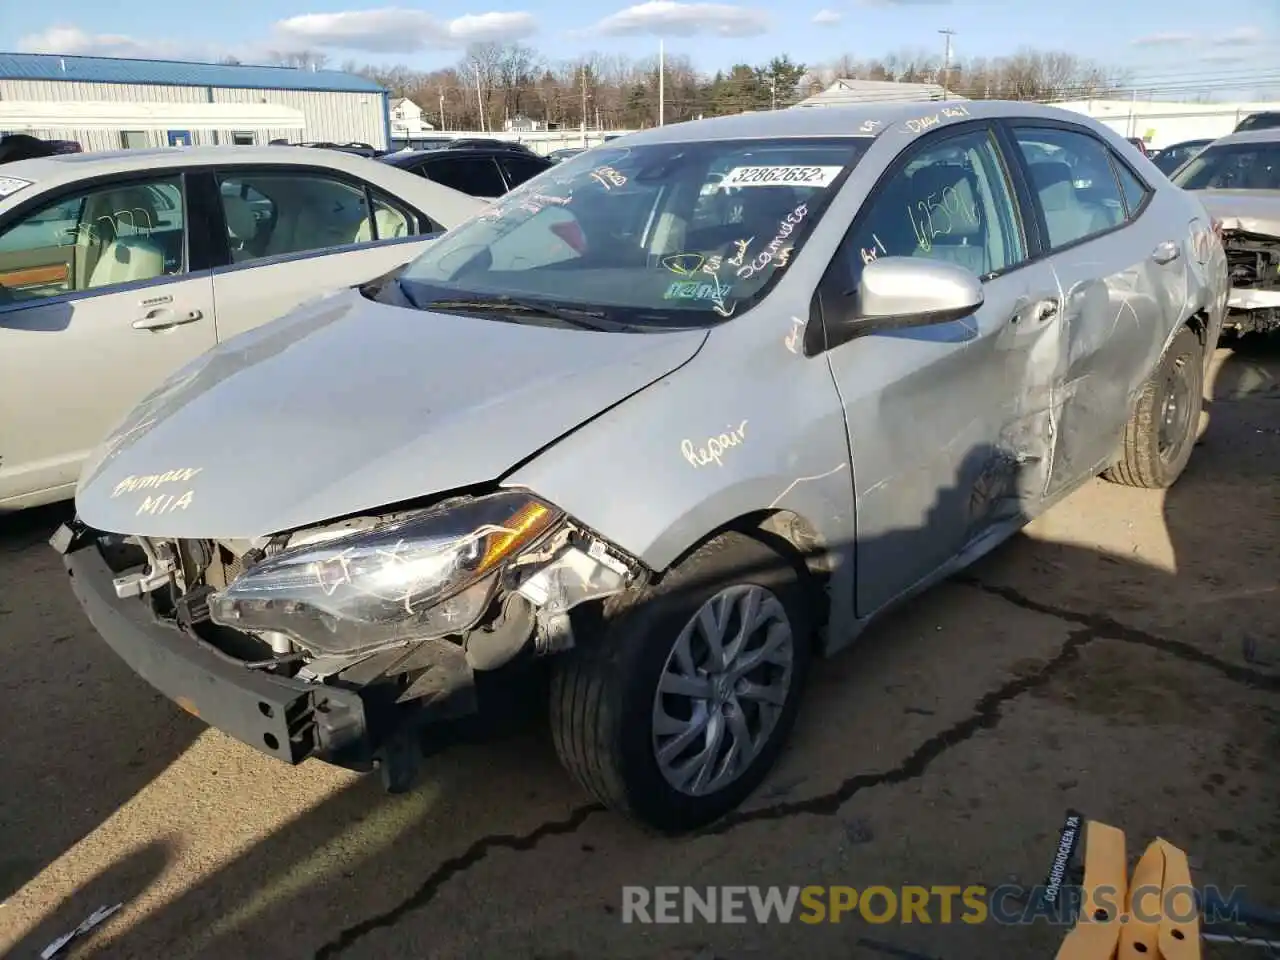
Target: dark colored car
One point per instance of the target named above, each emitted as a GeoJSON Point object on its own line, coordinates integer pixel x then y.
{"type": "Point", "coordinates": [1172, 157]}
{"type": "Point", "coordinates": [23, 146]}
{"type": "Point", "coordinates": [487, 143]}
{"type": "Point", "coordinates": [478, 171]}
{"type": "Point", "coordinates": [359, 149]}
{"type": "Point", "coordinates": [1268, 120]}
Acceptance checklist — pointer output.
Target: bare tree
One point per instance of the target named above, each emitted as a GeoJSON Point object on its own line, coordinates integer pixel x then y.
{"type": "Point", "coordinates": [482, 68]}
{"type": "Point", "coordinates": [299, 59]}
{"type": "Point", "coordinates": [517, 67]}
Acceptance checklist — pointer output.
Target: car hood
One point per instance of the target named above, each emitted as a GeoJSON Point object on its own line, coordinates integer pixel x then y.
{"type": "Point", "coordinates": [346, 405]}
{"type": "Point", "coordinates": [1253, 211]}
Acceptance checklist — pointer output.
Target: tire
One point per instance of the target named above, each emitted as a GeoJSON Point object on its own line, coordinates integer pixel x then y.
{"type": "Point", "coordinates": [605, 691]}
{"type": "Point", "coordinates": [1154, 453]}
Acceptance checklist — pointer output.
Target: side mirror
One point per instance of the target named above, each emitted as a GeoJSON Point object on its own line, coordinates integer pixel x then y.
{"type": "Point", "coordinates": [900, 292]}
{"type": "Point", "coordinates": [913, 292]}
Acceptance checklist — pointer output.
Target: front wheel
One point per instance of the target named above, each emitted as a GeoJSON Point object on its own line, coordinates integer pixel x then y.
{"type": "Point", "coordinates": [679, 704]}
{"type": "Point", "coordinates": [1159, 437]}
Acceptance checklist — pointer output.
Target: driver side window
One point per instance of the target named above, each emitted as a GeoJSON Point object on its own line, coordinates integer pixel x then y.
{"type": "Point", "coordinates": [950, 201]}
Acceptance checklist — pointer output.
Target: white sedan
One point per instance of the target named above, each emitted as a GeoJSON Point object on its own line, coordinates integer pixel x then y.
{"type": "Point", "coordinates": [116, 269]}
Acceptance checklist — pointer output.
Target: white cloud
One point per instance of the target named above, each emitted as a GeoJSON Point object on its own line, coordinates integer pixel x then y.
{"type": "Point", "coordinates": [1242, 36]}
{"type": "Point", "coordinates": [827, 17]}
{"type": "Point", "coordinates": [73, 41]}
{"type": "Point", "coordinates": [665, 18]}
{"type": "Point", "coordinates": [902, 3]}
{"type": "Point", "coordinates": [1162, 40]}
{"type": "Point", "coordinates": [398, 30]}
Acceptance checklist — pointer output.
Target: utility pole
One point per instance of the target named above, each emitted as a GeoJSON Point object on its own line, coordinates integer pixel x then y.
{"type": "Point", "coordinates": [773, 91]}
{"type": "Point", "coordinates": [662, 81]}
{"type": "Point", "coordinates": [480, 100]}
{"type": "Point", "coordinates": [443, 125]}
{"type": "Point", "coordinates": [946, 61]}
{"type": "Point", "coordinates": [584, 104]}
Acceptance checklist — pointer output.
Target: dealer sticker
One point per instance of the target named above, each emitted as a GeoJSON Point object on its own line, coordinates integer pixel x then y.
{"type": "Point", "coordinates": [780, 176]}
{"type": "Point", "coordinates": [9, 185]}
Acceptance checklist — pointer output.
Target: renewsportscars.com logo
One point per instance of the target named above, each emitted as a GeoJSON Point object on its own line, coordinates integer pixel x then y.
{"type": "Point", "coordinates": [1008, 904]}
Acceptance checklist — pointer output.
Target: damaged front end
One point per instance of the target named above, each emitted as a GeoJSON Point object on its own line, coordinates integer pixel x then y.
{"type": "Point", "coordinates": [367, 628]}
{"type": "Point", "coordinates": [1253, 268]}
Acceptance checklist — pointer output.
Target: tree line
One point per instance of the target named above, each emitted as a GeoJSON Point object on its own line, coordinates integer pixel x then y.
{"type": "Point", "coordinates": [494, 83]}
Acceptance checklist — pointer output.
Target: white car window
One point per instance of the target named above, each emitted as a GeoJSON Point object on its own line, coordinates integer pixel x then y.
{"type": "Point", "coordinates": [115, 234]}
{"type": "Point", "coordinates": [273, 214]}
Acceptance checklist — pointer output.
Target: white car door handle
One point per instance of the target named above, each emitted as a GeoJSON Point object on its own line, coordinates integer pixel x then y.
{"type": "Point", "coordinates": [1165, 252]}
{"type": "Point", "coordinates": [165, 317]}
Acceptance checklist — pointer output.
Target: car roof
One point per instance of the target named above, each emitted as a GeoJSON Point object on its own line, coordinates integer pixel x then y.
{"type": "Point", "coordinates": [1265, 135]}
{"type": "Point", "coordinates": [62, 168]}
{"type": "Point", "coordinates": [853, 120]}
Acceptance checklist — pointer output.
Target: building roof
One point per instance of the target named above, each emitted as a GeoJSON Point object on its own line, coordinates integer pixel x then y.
{"type": "Point", "coordinates": [845, 91]}
{"type": "Point", "coordinates": [178, 73]}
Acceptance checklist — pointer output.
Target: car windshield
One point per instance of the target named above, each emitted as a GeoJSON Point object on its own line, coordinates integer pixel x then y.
{"type": "Point", "coordinates": [1233, 166]}
{"type": "Point", "coordinates": [669, 234]}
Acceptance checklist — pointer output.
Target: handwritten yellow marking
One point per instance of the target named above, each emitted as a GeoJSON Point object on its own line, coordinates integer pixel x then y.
{"type": "Point", "coordinates": [712, 264]}
{"type": "Point", "coordinates": [165, 503]}
{"type": "Point", "coordinates": [792, 341]}
{"type": "Point", "coordinates": [683, 264]}
{"type": "Point", "coordinates": [152, 480]}
{"type": "Point", "coordinates": [608, 177]}
{"type": "Point", "coordinates": [714, 448]}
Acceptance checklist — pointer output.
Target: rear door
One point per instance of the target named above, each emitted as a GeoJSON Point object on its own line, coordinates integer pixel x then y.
{"type": "Point", "coordinates": [289, 234]}
{"type": "Point", "coordinates": [1118, 261]}
{"type": "Point", "coordinates": [102, 296]}
{"type": "Point", "coordinates": [475, 174]}
{"type": "Point", "coordinates": [518, 169]}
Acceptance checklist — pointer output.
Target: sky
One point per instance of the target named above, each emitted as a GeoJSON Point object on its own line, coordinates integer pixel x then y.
{"type": "Point", "coordinates": [1158, 42]}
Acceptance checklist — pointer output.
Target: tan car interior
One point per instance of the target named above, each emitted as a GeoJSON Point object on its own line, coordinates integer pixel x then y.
{"type": "Point", "coordinates": [120, 237]}
{"type": "Point", "coordinates": [300, 214]}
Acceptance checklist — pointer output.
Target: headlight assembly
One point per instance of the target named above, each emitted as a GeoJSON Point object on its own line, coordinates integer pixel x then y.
{"type": "Point", "coordinates": [425, 576]}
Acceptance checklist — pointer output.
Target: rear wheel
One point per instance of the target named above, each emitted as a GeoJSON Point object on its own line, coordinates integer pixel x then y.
{"type": "Point", "coordinates": [677, 707]}
{"type": "Point", "coordinates": [1159, 437]}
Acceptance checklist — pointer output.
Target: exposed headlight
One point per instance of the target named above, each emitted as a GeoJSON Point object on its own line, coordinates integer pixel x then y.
{"type": "Point", "coordinates": [425, 576]}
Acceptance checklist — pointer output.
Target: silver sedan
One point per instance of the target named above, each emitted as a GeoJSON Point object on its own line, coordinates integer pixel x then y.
{"type": "Point", "coordinates": [672, 418]}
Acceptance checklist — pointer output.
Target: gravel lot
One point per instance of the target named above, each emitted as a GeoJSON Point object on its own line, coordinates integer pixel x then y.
{"type": "Point", "coordinates": [1121, 657]}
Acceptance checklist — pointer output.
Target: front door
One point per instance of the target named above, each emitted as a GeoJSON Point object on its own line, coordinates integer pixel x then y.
{"type": "Point", "coordinates": [938, 416]}
{"type": "Point", "coordinates": [97, 308]}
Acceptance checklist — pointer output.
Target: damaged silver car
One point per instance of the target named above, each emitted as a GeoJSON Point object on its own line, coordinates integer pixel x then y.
{"type": "Point", "coordinates": [1238, 180]}
{"type": "Point", "coordinates": [668, 421]}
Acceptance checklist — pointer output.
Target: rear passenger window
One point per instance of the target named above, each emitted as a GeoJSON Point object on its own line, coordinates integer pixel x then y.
{"type": "Point", "coordinates": [950, 202]}
{"type": "Point", "coordinates": [1072, 175]}
{"type": "Point", "coordinates": [476, 176]}
{"type": "Point", "coordinates": [273, 214]}
{"type": "Point", "coordinates": [1134, 190]}
{"type": "Point", "coordinates": [520, 169]}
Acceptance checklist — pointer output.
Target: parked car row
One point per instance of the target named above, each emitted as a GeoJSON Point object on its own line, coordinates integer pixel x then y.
{"type": "Point", "coordinates": [118, 268]}
{"type": "Point", "coordinates": [670, 419]}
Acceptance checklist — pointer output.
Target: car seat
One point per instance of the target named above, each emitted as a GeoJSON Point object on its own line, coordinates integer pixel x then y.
{"type": "Point", "coordinates": [1067, 217]}
{"type": "Point", "coordinates": [960, 240]}
{"type": "Point", "coordinates": [242, 227]}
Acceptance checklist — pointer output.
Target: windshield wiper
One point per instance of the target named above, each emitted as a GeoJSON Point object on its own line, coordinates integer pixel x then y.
{"type": "Point", "coordinates": [578, 317]}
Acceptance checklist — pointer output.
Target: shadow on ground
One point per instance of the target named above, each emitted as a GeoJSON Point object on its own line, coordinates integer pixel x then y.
{"type": "Point", "coordinates": [60, 685]}
{"type": "Point", "coordinates": [1138, 688]}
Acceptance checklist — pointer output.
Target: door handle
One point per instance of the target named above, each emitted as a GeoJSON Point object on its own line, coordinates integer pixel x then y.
{"type": "Point", "coordinates": [165, 317]}
{"type": "Point", "coordinates": [1038, 312]}
{"type": "Point", "coordinates": [1166, 252]}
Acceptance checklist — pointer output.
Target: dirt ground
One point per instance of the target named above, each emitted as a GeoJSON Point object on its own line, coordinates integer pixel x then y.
{"type": "Point", "coordinates": [1122, 657]}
